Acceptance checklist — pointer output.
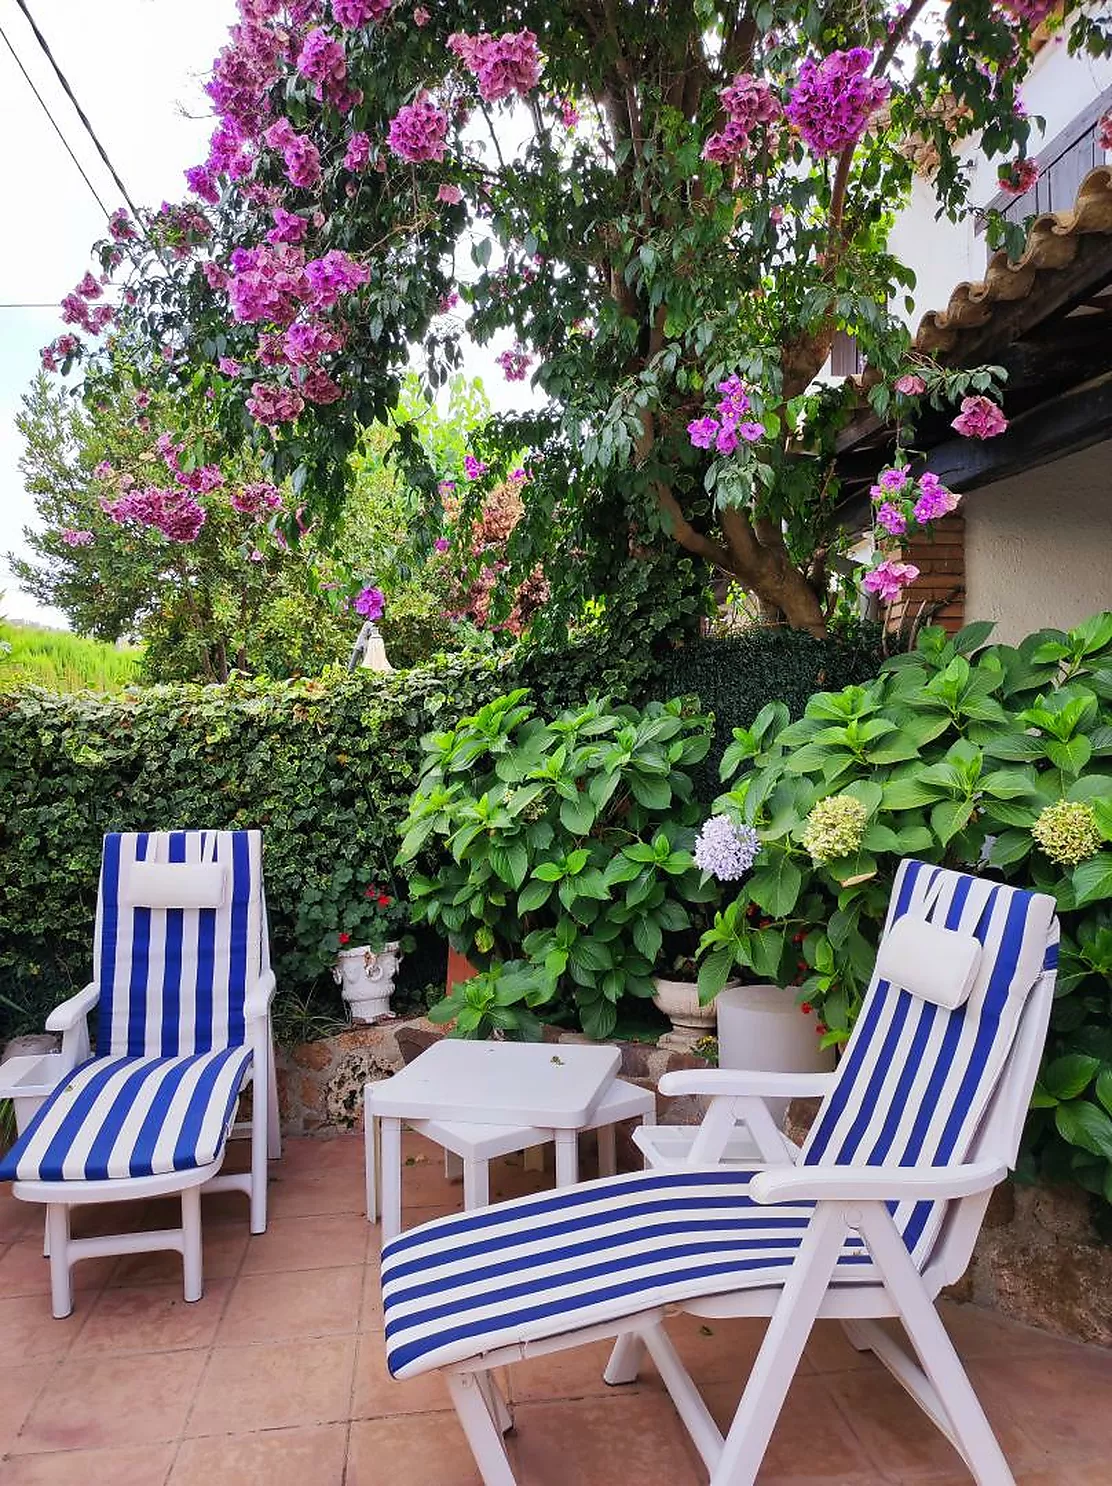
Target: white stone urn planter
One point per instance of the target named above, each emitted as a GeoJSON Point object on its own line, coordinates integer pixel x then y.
{"type": "Point", "coordinates": [366, 980]}
{"type": "Point", "coordinates": [761, 1027]}
{"type": "Point", "coordinates": [679, 1001]}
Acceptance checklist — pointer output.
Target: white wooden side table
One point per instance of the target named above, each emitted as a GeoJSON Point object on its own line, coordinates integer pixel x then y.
{"type": "Point", "coordinates": [525, 1092]}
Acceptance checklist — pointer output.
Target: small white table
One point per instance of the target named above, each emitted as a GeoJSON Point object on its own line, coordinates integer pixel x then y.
{"type": "Point", "coordinates": [555, 1087]}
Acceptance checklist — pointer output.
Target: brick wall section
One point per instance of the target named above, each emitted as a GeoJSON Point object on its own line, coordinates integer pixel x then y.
{"type": "Point", "coordinates": [941, 580]}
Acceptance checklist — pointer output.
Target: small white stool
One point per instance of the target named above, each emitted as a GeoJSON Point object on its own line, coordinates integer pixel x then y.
{"type": "Point", "coordinates": [476, 1145]}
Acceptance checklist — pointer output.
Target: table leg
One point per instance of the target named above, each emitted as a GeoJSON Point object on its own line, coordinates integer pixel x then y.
{"type": "Point", "coordinates": [476, 1184]}
{"type": "Point", "coordinates": [607, 1151]}
{"type": "Point", "coordinates": [567, 1157]}
{"type": "Point", "coordinates": [391, 1178]}
{"type": "Point", "coordinates": [370, 1138]}
{"type": "Point", "coordinates": [453, 1166]}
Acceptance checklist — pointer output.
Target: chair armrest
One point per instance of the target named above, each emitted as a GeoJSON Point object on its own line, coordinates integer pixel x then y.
{"type": "Point", "coordinates": [63, 1018]}
{"type": "Point", "coordinates": [875, 1183]}
{"type": "Point", "coordinates": [742, 1081]}
{"type": "Point", "coordinates": [256, 1003]}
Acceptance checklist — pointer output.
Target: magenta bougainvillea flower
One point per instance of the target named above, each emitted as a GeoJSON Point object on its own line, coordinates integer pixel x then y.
{"type": "Point", "coordinates": [442, 544]}
{"type": "Point", "coordinates": [503, 65]}
{"type": "Point", "coordinates": [270, 404]}
{"type": "Point", "coordinates": [703, 431]}
{"type": "Point", "coordinates": [121, 227]}
{"type": "Point", "coordinates": [727, 431]}
{"type": "Point", "coordinates": [317, 386]}
{"type": "Point", "coordinates": [74, 538]}
{"type": "Point", "coordinates": [418, 131]}
{"type": "Point", "coordinates": [892, 519]}
{"type": "Point", "coordinates": [515, 363]}
{"type": "Point", "coordinates": [356, 13]}
{"type": "Point", "coordinates": [358, 152]}
{"type": "Point", "coordinates": [474, 468]}
{"type": "Point", "coordinates": [255, 500]}
{"type": "Point", "coordinates": [306, 342]}
{"type": "Point", "coordinates": [910, 384]}
{"type": "Point", "coordinates": [288, 227]}
{"type": "Point", "coordinates": [980, 418]}
{"type": "Point", "coordinates": [889, 579]}
{"type": "Point", "coordinates": [268, 283]}
{"type": "Point", "coordinates": [451, 195]}
{"type": "Point", "coordinates": [1018, 176]}
{"type": "Point", "coordinates": [748, 103]}
{"type": "Point", "coordinates": [331, 276]}
{"type": "Point", "coordinates": [178, 516]}
{"type": "Point", "coordinates": [834, 99]}
{"type": "Point", "coordinates": [370, 603]}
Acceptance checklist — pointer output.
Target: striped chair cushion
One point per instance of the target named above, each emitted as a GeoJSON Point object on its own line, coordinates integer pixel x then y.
{"type": "Point", "coordinates": [121, 1117]}
{"type": "Point", "coordinates": [540, 1266]}
{"type": "Point", "coordinates": [173, 980]}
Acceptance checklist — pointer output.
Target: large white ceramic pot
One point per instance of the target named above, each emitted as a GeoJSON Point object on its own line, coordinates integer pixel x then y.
{"type": "Point", "coordinates": [366, 980]}
{"type": "Point", "coordinates": [679, 1001]}
{"type": "Point", "coordinates": [761, 1027]}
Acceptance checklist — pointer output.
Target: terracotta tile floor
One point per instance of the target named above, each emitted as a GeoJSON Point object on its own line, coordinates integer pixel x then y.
{"type": "Point", "coordinates": [277, 1375]}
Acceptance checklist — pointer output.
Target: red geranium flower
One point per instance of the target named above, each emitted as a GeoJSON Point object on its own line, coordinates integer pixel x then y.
{"type": "Point", "coordinates": [383, 900]}
{"type": "Point", "coordinates": [344, 938]}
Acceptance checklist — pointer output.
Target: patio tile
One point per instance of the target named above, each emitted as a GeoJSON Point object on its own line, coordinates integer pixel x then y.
{"type": "Point", "coordinates": [901, 1439]}
{"type": "Point", "coordinates": [325, 1242]}
{"type": "Point", "coordinates": [277, 1457]}
{"type": "Point", "coordinates": [415, 1450]}
{"type": "Point", "coordinates": [556, 1443]}
{"type": "Point", "coordinates": [274, 1387]}
{"type": "Point", "coordinates": [812, 1445]}
{"type": "Point", "coordinates": [829, 1350]}
{"type": "Point", "coordinates": [18, 1219]}
{"type": "Point", "coordinates": [224, 1248]}
{"type": "Point", "coordinates": [1059, 1401]}
{"type": "Point", "coordinates": [28, 1330]}
{"type": "Point", "coordinates": [299, 1196]}
{"type": "Point", "coordinates": [19, 1387]}
{"type": "Point", "coordinates": [576, 1373]}
{"type": "Point", "coordinates": [25, 1270]}
{"type": "Point", "coordinates": [294, 1304]}
{"type": "Point", "coordinates": [97, 1402]}
{"type": "Point", "coordinates": [154, 1318]}
{"type": "Point", "coordinates": [376, 1394]}
{"type": "Point", "coordinates": [715, 1351]}
{"type": "Point", "coordinates": [144, 1465]}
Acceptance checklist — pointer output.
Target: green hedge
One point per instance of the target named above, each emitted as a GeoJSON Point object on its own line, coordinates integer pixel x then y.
{"type": "Point", "coordinates": [325, 767]}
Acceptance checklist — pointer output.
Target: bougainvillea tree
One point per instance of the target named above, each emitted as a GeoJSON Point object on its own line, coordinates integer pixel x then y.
{"type": "Point", "coordinates": [662, 214]}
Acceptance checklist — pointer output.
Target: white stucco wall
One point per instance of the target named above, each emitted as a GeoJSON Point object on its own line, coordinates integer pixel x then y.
{"type": "Point", "coordinates": [945, 254]}
{"type": "Point", "coordinates": [1038, 548]}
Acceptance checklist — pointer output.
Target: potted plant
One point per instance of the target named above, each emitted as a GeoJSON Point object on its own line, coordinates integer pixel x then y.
{"type": "Point", "coordinates": [362, 942]}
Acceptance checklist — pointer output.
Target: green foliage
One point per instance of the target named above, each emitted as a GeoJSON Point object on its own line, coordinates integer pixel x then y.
{"type": "Point", "coordinates": [958, 753]}
{"type": "Point", "coordinates": [559, 856]}
{"type": "Point", "coordinates": [734, 677]}
{"type": "Point", "coordinates": [59, 661]}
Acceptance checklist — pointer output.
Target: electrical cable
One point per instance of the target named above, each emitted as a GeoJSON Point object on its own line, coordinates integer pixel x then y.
{"type": "Point", "coordinates": [81, 114]}
{"type": "Point", "coordinates": [54, 124]}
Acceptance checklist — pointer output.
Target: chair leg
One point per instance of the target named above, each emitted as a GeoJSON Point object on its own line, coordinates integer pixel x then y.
{"type": "Point", "coordinates": [482, 1431]}
{"type": "Point", "coordinates": [607, 1151]}
{"type": "Point", "coordinates": [259, 1153]}
{"type": "Point", "coordinates": [972, 1433]}
{"type": "Point", "coordinates": [192, 1243]}
{"type": "Point", "coordinates": [370, 1141]}
{"type": "Point", "coordinates": [390, 1175]}
{"type": "Point", "coordinates": [273, 1116]}
{"type": "Point", "coordinates": [625, 1359]}
{"type": "Point", "coordinates": [499, 1409]}
{"type": "Point", "coordinates": [61, 1281]}
{"type": "Point", "coordinates": [781, 1350]}
{"type": "Point", "coordinates": [476, 1184]}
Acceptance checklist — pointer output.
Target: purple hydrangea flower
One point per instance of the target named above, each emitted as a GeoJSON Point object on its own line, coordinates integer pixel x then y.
{"type": "Point", "coordinates": [726, 851]}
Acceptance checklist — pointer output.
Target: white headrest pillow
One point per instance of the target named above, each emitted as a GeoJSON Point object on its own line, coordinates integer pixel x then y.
{"type": "Point", "coordinates": [931, 962]}
{"type": "Point", "coordinates": [174, 885]}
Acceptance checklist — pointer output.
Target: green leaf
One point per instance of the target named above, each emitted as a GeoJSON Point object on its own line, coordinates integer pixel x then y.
{"type": "Point", "coordinates": [1092, 880]}
{"type": "Point", "coordinates": [578, 815]}
{"type": "Point", "coordinates": [1070, 1075]}
{"type": "Point", "coordinates": [650, 790]}
{"type": "Point", "coordinates": [532, 895]}
{"type": "Point", "coordinates": [775, 886]}
{"type": "Point", "coordinates": [714, 972]}
{"type": "Point", "coordinates": [1104, 1088]}
{"type": "Point", "coordinates": [510, 861]}
{"type": "Point", "coordinates": [910, 794]}
{"type": "Point", "coordinates": [647, 937]}
{"type": "Point", "coordinates": [1010, 847]}
{"type": "Point", "coordinates": [1086, 1125]}
{"type": "Point", "coordinates": [949, 817]}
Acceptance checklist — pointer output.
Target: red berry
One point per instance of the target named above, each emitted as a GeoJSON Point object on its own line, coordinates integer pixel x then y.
{"type": "Point", "coordinates": [821, 1028]}
{"type": "Point", "coordinates": [806, 1008]}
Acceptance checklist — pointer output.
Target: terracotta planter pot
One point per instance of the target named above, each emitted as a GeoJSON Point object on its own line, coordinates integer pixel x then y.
{"type": "Point", "coordinates": [459, 969]}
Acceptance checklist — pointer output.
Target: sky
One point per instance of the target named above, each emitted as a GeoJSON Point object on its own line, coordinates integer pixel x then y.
{"type": "Point", "coordinates": [137, 67]}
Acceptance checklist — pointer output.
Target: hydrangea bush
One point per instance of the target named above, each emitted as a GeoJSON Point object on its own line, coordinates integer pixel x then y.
{"type": "Point", "coordinates": [635, 207]}
{"type": "Point", "coordinates": [992, 758]}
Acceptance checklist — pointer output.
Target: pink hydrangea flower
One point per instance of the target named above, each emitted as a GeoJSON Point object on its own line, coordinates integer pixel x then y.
{"type": "Point", "coordinates": [910, 384]}
{"type": "Point", "coordinates": [358, 152]}
{"type": "Point", "coordinates": [74, 538]}
{"type": "Point", "coordinates": [889, 579]}
{"type": "Point", "coordinates": [418, 132]}
{"type": "Point", "coordinates": [980, 418]}
{"type": "Point", "coordinates": [474, 468]}
{"type": "Point", "coordinates": [271, 405]}
{"type": "Point", "coordinates": [450, 194]}
{"type": "Point", "coordinates": [1019, 176]}
{"type": "Point", "coordinates": [834, 99]}
{"type": "Point", "coordinates": [503, 65]}
{"type": "Point", "coordinates": [355, 13]}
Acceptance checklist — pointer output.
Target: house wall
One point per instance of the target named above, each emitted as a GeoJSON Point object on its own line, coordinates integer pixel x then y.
{"type": "Point", "coordinates": [1038, 548]}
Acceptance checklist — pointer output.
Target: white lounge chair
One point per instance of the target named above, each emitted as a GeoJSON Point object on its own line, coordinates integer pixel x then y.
{"type": "Point", "coordinates": [877, 1213]}
{"type": "Point", "coordinates": [182, 994]}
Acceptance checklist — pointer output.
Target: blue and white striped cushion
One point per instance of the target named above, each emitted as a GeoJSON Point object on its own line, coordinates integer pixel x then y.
{"type": "Point", "coordinates": [123, 1117]}
{"type": "Point", "coordinates": [173, 980]}
{"type": "Point", "coordinates": [913, 1086]}
{"type": "Point", "coordinates": [540, 1266]}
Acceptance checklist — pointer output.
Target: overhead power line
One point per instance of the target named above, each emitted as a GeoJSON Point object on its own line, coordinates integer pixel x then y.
{"type": "Point", "coordinates": [54, 123]}
{"type": "Point", "coordinates": [81, 114]}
